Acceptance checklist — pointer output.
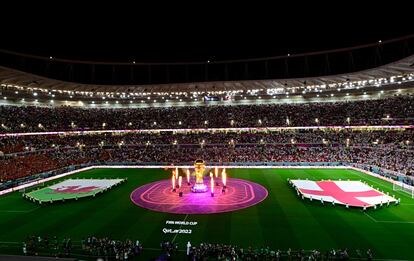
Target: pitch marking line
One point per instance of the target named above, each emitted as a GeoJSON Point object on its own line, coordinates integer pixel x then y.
{"type": "Point", "coordinates": [382, 185]}
{"type": "Point", "coordinates": [175, 236]}
{"type": "Point", "coordinates": [388, 221]}
{"type": "Point", "coordinates": [373, 219]}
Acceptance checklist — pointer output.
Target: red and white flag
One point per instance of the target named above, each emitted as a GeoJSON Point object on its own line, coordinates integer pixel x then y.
{"type": "Point", "coordinates": [351, 193]}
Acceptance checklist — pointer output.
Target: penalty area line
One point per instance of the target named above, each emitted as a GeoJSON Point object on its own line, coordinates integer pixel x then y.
{"type": "Point", "coordinates": [373, 219]}
{"type": "Point", "coordinates": [388, 221]}
{"type": "Point", "coordinates": [371, 179]}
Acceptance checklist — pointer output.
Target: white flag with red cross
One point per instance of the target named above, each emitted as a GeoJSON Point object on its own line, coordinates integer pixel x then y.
{"type": "Point", "coordinates": [351, 193]}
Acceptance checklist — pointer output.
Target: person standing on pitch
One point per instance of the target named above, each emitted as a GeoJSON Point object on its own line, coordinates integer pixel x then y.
{"type": "Point", "coordinates": [188, 248]}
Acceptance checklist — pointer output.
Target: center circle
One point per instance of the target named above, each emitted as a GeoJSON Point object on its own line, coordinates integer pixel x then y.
{"type": "Point", "coordinates": [159, 196]}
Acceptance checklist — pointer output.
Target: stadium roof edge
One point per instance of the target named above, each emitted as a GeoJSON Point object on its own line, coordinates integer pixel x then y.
{"type": "Point", "coordinates": [10, 76]}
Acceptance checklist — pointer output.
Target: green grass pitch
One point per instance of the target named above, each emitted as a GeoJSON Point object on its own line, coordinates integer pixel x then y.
{"type": "Point", "coordinates": [281, 221]}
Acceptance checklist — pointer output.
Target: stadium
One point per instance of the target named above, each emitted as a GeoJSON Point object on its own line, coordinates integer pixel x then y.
{"type": "Point", "coordinates": [301, 156]}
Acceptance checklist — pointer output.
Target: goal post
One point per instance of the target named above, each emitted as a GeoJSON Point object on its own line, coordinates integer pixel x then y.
{"type": "Point", "coordinates": [401, 186]}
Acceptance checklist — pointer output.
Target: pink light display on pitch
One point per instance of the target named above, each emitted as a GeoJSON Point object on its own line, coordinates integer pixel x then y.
{"type": "Point", "coordinates": [158, 196]}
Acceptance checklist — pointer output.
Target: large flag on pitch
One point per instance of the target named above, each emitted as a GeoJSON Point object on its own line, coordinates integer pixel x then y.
{"type": "Point", "coordinates": [352, 193]}
{"type": "Point", "coordinates": [73, 188]}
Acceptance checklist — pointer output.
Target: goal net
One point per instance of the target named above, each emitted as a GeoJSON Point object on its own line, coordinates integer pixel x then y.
{"type": "Point", "coordinates": [401, 186]}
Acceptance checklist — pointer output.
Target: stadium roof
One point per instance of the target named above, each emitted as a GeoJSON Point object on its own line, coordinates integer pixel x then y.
{"type": "Point", "coordinates": [14, 77]}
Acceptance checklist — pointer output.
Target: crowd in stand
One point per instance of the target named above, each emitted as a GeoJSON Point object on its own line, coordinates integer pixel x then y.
{"type": "Point", "coordinates": [396, 110]}
{"type": "Point", "coordinates": [22, 156]}
{"type": "Point", "coordinates": [341, 137]}
{"type": "Point", "coordinates": [386, 156]}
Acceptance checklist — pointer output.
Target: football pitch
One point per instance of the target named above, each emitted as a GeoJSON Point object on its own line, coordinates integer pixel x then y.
{"type": "Point", "coordinates": [282, 221]}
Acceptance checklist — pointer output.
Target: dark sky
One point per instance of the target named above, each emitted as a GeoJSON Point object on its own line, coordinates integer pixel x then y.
{"type": "Point", "coordinates": [197, 32]}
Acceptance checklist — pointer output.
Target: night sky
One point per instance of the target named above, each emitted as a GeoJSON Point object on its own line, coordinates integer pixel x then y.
{"type": "Point", "coordinates": [196, 32]}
